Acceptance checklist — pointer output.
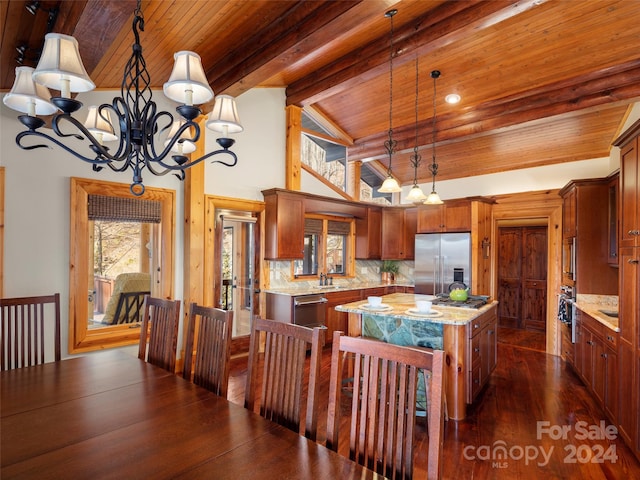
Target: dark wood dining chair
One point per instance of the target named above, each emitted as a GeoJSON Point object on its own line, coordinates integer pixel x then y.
{"type": "Point", "coordinates": [282, 373]}
{"type": "Point", "coordinates": [209, 334]}
{"type": "Point", "coordinates": [30, 331]}
{"type": "Point", "coordinates": [160, 330]}
{"type": "Point", "coordinates": [383, 404]}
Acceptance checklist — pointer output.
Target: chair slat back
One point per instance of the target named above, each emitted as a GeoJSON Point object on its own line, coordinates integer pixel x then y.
{"type": "Point", "coordinates": [160, 329]}
{"type": "Point", "coordinates": [383, 404]}
{"type": "Point", "coordinates": [282, 373]}
{"type": "Point", "coordinates": [209, 334]}
{"type": "Point", "coordinates": [24, 342]}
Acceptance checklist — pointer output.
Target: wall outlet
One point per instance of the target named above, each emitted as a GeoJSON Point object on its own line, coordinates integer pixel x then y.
{"type": "Point", "coordinates": [364, 270]}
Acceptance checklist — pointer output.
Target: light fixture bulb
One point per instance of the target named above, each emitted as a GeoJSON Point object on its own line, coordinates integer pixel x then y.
{"type": "Point", "coordinates": [390, 185]}
{"type": "Point", "coordinates": [433, 199]}
{"type": "Point", "coordinates": [416, 195]}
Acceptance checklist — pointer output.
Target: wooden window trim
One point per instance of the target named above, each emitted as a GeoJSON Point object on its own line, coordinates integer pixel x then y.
{"type": "Point", "coordinates": [81, 338]}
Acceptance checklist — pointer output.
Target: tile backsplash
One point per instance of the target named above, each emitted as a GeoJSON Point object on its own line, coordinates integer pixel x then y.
{"type": "Point", "coordinates": [367, 272]}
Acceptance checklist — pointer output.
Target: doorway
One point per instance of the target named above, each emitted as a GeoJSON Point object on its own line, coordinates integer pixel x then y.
{"type": "Point", "coordinates": [237, 271]}
{"type": "Point", "coordinates": [522, 285]}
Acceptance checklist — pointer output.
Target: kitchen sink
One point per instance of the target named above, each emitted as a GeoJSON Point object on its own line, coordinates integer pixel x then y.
{"type": "Point", "coordinates": [328, 287]}
{"type": "Point", "coordinates": [610, 313]}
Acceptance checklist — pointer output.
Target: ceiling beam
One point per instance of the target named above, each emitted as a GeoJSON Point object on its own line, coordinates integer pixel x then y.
{"type": "Point", "coordinates": [605, 87]}
{"type": "Point", "coordinates": [449, 23]}
{"type": "Point", "coordinates": [288, 40]}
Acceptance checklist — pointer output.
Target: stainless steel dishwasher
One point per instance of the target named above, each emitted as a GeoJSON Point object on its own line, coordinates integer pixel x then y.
{"type": "Point", "coordinates": [310, 310]}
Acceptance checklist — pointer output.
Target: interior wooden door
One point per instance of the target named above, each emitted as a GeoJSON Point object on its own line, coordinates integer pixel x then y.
{"type": "Point", "coordinates": [510, 277]}
{"type": "Point", "coordinates": [534, 279]}
{"type": "Point", "coordinates": [522, 277]}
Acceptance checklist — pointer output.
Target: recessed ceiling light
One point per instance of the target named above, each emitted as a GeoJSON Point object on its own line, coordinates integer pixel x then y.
{"type": "Point", "coordinates": [452, 98]}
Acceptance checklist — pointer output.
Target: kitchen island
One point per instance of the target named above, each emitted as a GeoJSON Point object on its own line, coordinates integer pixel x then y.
{"type": "Point", "coordinates": [467, 335]}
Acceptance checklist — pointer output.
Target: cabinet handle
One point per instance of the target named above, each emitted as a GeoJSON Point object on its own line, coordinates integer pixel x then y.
{"type": "Point", "coordinates": [610, 338]}
{"type": "Point", "coordinates": [489, 332]}
{"type": "Point", "coordinates": [633, 260]}
{"type": "Point", "coordinates": [476, 325]}
{"type": "Point", "coordinates": [589, 342]}
{"type": "Point", "coordinates": [476, 349]}
{"type": "Point", "coordinates": [603, 355]}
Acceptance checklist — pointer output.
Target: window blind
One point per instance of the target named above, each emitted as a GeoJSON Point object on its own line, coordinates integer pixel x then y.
{"type": "Point", "coordinates": [103, 207]}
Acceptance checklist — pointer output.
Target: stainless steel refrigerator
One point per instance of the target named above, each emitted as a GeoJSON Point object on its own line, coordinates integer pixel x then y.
{"type": "Point", "coordinates": [442, 259]}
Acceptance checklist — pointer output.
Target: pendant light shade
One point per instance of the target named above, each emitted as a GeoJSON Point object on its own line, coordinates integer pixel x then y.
{"type": "Point", "coordinates": [100, 125]}
{"type": "Point", "coordinates": [416, 195]}
{"type": "Point", "coordinates": [434, 198]}
{"type": "Point", "coordinates": [60, 66]}
{"type": "Point", "coordinates": [224, 117]}
{"type": "Point", "coordinates": [390, 185]}
{"type": "Point", "coordinates": [188, 82]}
{"type": "Point", "coordinates": [27, 96]}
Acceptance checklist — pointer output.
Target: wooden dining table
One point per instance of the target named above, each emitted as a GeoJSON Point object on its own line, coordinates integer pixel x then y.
{"type": "Point", "coordinates": [111, 415]}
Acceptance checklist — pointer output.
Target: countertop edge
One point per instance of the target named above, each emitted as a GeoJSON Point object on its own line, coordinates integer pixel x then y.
{"type": "Point", "coordinates": [593, 310]}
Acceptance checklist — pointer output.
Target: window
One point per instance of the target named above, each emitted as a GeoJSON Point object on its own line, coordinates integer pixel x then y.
{"type": "Point", "coordinates": [370, 181]}
{"type": "Point", "coordinates": [327, 243]}
{"type": "Point", "coordinates": [323, 153]}
{"type": "Point", "coordinates": [90, 230]}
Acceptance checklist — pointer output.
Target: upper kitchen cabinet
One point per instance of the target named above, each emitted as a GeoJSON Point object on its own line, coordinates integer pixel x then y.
{"type": "Point", "coordinates": [398, 233]}
{"type": "Point", "coordinates": [586, 252]}
{"type": "Point", "coordinates": [451, 216]}
{"type": "Point", "coordinates": [613, 219]}
{"type": "Point", "coordinates": [368, 235]}
{"type": "Point", "coordinates": [284, 225]}
{"type": "Point", "coordinates": [629, 185]}
{"type": "Point", "coordinates": [569, 213]}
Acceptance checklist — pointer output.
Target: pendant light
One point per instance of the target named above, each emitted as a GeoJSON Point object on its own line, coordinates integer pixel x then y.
{"type": "Point", "coordinates": [416, 195]}
{"type": "Point", "coordinates": [434, 198]}
{"type": "Point", "coordinates": [390, 185]}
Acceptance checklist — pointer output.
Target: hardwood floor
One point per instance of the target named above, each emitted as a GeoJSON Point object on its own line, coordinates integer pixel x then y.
{"type": "Point", "coordinates": [518, 337]}
{"type": "Point", "coordinates": [510, 432]}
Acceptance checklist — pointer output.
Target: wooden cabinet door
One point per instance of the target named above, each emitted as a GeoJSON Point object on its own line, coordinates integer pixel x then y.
{"type": "Point", "coordinates": [569, 214]}
{"type": "Point", "coordinates": [453, 216]}
{"type": "Point", "coordinates": [612, 221]}
{"type": "Point", "coordinates": [430, 218]}
{"type": "Point", "coordinates": [457, 217]}
{"type": "Point", "coordinates": [410, 228]}
{"type": "Point", "coordinates": [368, 235]}
{"type": "Point", "coordinates": [392, 233]}
{"type": "Point", "coordinates": [599, 361]}
{"type": "Point", "coordinates": [611, 384]}
{"type": "Point", "coordinates": [339, 320]}
{"type": "Point", "coordinates": [284, 227]}
{"type": "Point", "coordinates": [629, 197]}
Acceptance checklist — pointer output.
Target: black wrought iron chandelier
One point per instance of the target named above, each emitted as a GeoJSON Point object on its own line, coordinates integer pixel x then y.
{"type": "Point", "coordinates": [146, 136]}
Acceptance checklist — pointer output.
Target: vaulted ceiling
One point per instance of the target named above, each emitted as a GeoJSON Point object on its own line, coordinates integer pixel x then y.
{"type": "Point", "coordinates": [542, 82]}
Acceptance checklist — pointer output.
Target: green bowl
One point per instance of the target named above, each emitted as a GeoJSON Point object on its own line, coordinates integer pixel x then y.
{"type": "Point", "coordinates": [458, 294]}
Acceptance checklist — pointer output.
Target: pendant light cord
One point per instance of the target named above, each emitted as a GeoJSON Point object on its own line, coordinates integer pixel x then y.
{"type": "Point", "coordinates": [415, 158]}
{"type": "Point", "coordinates": [390, 144]}
{"type": "Point", "coordinates": [434, 166]}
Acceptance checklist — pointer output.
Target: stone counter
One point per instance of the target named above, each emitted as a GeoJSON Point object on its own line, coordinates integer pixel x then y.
{"type": "Point", "coordinates": [453, 330]}
{"type": "Point", "coordinates": [593, 305]}
{"type": "Point", "coordinates": [400, 303]}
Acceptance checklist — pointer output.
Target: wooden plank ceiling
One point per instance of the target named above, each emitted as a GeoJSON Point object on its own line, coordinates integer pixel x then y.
{"type": "Point", "coordinates": [542, 82]}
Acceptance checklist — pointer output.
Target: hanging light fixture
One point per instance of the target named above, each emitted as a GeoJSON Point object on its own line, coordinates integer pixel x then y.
{"type": "Point", "coordinates": [140, 125]}
{"type": "Point", "coordinates": [390, 185]}
{"type": "Point", "coordinates": [434, 198]}
{"type": "Point", "coordinates": [416, 195]}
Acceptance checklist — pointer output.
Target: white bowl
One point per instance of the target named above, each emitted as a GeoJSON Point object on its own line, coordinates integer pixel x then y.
{"type": "Point", "coordinates": [374, 301]}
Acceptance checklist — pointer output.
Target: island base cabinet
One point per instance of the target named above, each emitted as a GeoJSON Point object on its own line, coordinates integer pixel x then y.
{"type": "Point", "coordinates": [482, 351]}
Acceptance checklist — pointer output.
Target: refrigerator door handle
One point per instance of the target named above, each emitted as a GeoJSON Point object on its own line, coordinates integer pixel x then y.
{"type": "Point", "coordinates": [436, 271]}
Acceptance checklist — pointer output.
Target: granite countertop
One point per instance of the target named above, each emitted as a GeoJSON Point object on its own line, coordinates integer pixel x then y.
{"type": "Point", "coordinates": [593, 305]}
{"type": "Point", "coordinates": [399, 304]}
{"type": "Point", "coordinates": [315, 289]}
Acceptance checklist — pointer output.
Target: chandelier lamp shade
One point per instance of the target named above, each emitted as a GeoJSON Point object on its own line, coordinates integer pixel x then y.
{"type": "Point", "coordinates": [416, 195]}
{"type": "Point", "coordinates": [434, 198]}
{"type": "Point", "coordinates": [390, 184]}
{"type": "Point", "coordinates": [147, 138]}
